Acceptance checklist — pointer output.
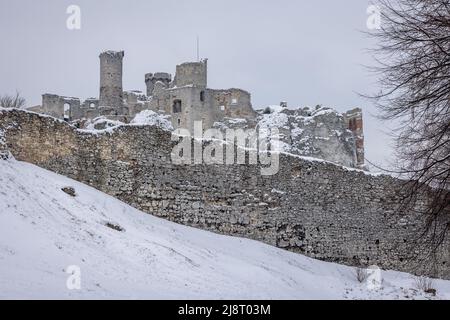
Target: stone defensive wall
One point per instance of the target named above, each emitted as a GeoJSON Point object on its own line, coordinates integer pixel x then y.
{"type": "Point", "coordinates": [315, 208]}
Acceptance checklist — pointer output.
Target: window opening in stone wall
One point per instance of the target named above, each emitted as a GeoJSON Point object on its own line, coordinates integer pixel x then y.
{"type": "Point", "coordinates": [176, 108]}
{"type": "Point", "coordinates": [66, 111]}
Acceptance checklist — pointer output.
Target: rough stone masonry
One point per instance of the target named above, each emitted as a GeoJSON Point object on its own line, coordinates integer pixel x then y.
{"type": "Point", "coordinates": [314, 208]}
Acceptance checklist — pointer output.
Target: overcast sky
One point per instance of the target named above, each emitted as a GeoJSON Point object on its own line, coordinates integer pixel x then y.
{"type": "Point", "coordinates": [301, 51]}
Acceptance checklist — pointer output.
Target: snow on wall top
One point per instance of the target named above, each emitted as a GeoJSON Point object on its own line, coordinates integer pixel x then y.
{"type": "Point", "coordinates": [151, 118]}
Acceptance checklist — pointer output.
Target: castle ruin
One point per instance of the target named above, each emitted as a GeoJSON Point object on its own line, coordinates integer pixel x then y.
{"type": "Point", "coordinates": [316, 208]}
{"type": "Point", "coordinates": [312, 207]}
{"type": "Point", "coordinates": [186, 98]}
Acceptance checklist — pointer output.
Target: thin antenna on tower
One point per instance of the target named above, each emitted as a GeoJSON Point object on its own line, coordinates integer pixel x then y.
{"type": "Point", "coordinates": [198, 49]}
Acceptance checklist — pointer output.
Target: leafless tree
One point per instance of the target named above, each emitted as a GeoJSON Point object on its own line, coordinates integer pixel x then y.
{"type": "Point", "coordinates": [16, 101]}
{"type": "Point", "coordinates": [413, 65]}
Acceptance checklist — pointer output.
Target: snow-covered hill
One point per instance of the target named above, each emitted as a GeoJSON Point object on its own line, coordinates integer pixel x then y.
{"type": "Point", "coordinates": [124, 253]}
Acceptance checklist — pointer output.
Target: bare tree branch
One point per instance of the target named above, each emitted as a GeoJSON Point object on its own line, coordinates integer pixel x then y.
{"type": "Point", "coordinates": [413, 65]}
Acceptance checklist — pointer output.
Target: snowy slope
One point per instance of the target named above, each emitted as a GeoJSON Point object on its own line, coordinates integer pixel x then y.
{"type": "Point", "coordinates": [43, 231]}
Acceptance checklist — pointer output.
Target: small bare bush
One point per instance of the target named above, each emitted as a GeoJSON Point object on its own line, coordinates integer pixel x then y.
{"type": "Point", "coordinates": [16, 101]}
{"type": "Point", "coordinates": [426, 285]}
{"type": "Point", "coordinates": [361, 274]}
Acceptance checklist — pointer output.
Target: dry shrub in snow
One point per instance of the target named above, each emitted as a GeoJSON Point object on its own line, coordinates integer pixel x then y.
{"type": "Point", "coordinates": [426, 285]}
{"type": "Point", "coordinates": [361, 274]}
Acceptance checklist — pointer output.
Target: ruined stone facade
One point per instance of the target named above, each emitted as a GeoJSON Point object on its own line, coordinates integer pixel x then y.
{"type": "Point", "coordinates": [315, 208]}
{"type": "Point", "coordinates": [187, 99]}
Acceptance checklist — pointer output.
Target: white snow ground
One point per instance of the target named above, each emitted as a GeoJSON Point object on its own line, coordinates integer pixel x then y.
{"type": "Point", "coordinates": [43, 231]}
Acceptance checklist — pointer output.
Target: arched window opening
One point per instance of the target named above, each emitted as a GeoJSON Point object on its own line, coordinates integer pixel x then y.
{"type": "Point", "coordinates": [202, 96]}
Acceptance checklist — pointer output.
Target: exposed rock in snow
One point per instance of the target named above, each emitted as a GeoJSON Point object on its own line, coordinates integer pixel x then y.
{"type": "Point", "coordinates": [124, 253]}
{"type": "Point", "coordinates": [2, 137]}
{"type": "Point", "coordinates": [319, 132]}
{"type": "Point", "coordinates": [4, 154]}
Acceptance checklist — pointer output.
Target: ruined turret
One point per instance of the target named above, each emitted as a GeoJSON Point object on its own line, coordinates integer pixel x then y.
{"type": "Point", "coordinates": [192, 74]}
{"type": "Point", "coordinates": [111, 90]}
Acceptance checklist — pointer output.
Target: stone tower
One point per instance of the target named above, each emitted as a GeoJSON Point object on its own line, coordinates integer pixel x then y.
{"type": "Point", "coordinates": [111, 90]}
{"type": "Point", "coordinates": [151, 79]}
{"type": "Point", "coordinates": [192, 74]}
